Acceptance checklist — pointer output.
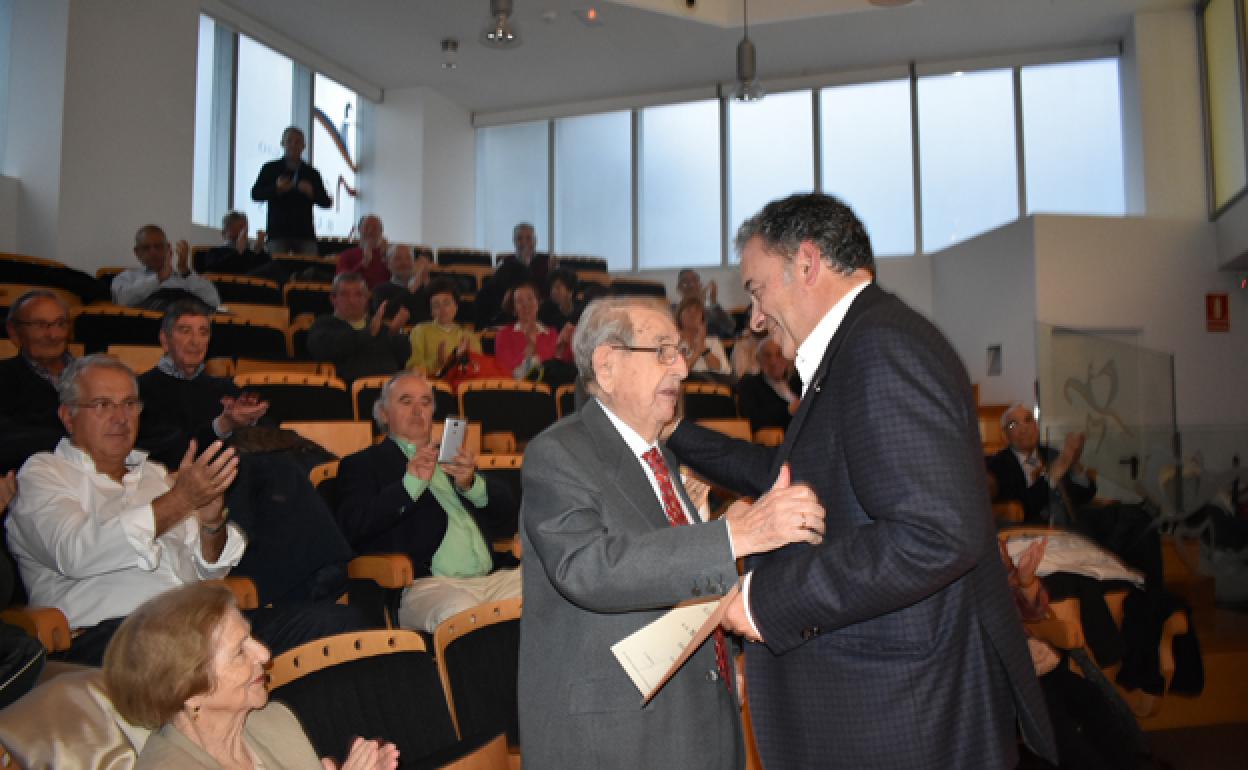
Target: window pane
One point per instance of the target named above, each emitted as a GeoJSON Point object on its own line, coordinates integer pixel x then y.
{"type": "Point", "coordinates": [1072, 138]}
{"type": "Point", "coordinates": [512, 171]}
{"type": "Point", "coordinates": [593, 187]}
{"type": "Point", "coordinates": [867, 159]}
{"type": "Point", "coordinates": [1225, 101]}
{"type": "Point", "coordinates": [201, 186]}
{"type": "Point", "coordinates": [770, 153]}
{"type": "Point", "coordinates": [334, 153]}
{"type": "Point", "coordinates": [966, 155]}
{"type": "Point", "coordinates": [679, 185]}
{"type": "Point", "coordinates": [263, 110]}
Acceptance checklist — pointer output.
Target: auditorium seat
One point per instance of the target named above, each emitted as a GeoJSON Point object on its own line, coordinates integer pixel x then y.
{"type": "Point", "coordinates": [298, 397]}
{"type": "Point", "coordinates": [305, 297]}
{"type": "Point", "coordinates": [376, 683]}
{"type": "Point", "coordinates": [235, 337]}
{"type": "Point", "coordinates": [253, 365]}
{"type": "Point", "coordinates": [702, 400]}
{"type": "Point", "coordinates": [505, 405]}
{"type": "Point", "coordinates": [307, 267]}
{"type": "Point", "coordinates": [632, 287]}
{"type": "Point", "coordinates": [565, 400]}
{"type": "Point", "coordinates": [478, 654]}
{"type": "Point", "coordinates": [460, 256]}
{"type": "Point", "coordinates": [466, 278]}
{"type": "Point", "coordinates": [140, 358]}
{"type": "Point", "coordinates": [245, 288]}
{"type": "Point", "coordinates": [98, 326]}
{"type": "Point", "coordinates": [338, 437]}
{"type": "Point", "coordinates": [297, 337]}
{"type": "Point", "coordinates": [736, 427]}
{"type": "Point", "coordinates": [577, 263]}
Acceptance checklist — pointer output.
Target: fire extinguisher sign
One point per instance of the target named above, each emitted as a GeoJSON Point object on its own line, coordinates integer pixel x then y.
{"type": "Point", "coordinates": [1217, 313]}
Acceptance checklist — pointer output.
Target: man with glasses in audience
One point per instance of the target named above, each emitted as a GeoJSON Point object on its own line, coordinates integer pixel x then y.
{"type": "Point", "coordinates": [1037, 476]}
{"type": "Point", "coordinates": [97, 529]}
{"type": "Point", "coordinates": [38, 324]}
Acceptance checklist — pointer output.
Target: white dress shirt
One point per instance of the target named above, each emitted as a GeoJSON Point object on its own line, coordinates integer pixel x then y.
{"type": "Point", "coordinates": [134, 285]}
{"type": "Point", "coordinates": [810, 352]}
{"type": "Point", "coordinates": [84, 542]}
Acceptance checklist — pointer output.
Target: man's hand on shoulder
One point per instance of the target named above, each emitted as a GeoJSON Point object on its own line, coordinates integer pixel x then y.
{"type": "Point", "coordinates": [788, 513]}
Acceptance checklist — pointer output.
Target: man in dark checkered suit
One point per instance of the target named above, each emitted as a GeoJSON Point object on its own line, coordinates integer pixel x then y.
{"type": "Point", "coordinates": [894, 643]}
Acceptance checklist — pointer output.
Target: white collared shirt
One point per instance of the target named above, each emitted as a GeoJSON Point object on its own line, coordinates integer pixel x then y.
{"type": "Point", "coordinates": [638, 446]}
{"type": "Point", "coordinates": [812, 349]}
{"type": "Point", "coordinates": [85, 543]}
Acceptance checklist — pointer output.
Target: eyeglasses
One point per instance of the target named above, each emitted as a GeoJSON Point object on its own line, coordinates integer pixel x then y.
{"type": "Point", "coordinates": [102, 407]}
{"type": "Point", "coordinates": [1012, 424]}
{"type": "Point", "coordinates": [667, 352]}
{"type": "Point", "coordinates": [43, 326]}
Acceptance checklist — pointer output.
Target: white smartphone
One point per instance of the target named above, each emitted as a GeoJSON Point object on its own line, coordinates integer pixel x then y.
{"type": "Point", "coordinates": [453, 433]}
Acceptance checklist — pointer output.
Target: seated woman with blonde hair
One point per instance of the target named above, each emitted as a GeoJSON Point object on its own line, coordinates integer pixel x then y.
{"type": "Point", "coordinates": [185, 665]}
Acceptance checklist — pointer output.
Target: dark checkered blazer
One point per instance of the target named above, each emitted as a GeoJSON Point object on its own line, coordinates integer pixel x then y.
{"type": "Point", "coordinates": [894, 643]}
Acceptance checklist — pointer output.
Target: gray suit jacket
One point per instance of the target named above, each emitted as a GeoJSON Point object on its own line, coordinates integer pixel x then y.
{"type": "Point", "coordinates": [601, 562]}
{"type": "Point", "coordinates": [894, 643]}
{"type": "Point", "coordinates": [272, 732]}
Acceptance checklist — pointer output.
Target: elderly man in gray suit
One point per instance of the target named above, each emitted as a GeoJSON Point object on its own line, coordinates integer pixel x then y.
{"type": "Point", "coordinates": [612, 542]}
{"type": "Point", "coordinates": [894, 643]}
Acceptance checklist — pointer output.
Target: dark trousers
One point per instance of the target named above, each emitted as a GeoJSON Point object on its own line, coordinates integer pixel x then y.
{"type": "Point", "coordinates": [1089, 736]}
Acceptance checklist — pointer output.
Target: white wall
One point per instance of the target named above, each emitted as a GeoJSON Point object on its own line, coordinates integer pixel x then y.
{"type": "Point", "coordinates": [10, 189]}
{"type": "Point", "coordinates": [392, 188]}
{"type": "Point", "coordinates": [983, 293]}
{"type": "Point", "coordinates": [449, 174]}
{"type": "Point", "coordinates": [33, 147]}
{"type": "Point", "coordinates": [128, 141]}
{"type": "Point", "coordinates": [1152, 275]}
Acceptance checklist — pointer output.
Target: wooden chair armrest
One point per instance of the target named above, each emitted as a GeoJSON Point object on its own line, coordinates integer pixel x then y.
{"type": "Point", "coordinates": [1175, 625]}
{"type": "Point", "coordinates": [244, 590]}
{"type": "Point", "coordinates": [1010, 510]}
{"type": "Point", "coordinates": [491, 756]}
{"type": "Point", "coordinates": [1059, 633]}
{"type": "Point", "coordinates": [47, 624]}
{"type": "Point", "coordinates": [509, 545]}
{"type": "Point", "coordinates": [389, 570]}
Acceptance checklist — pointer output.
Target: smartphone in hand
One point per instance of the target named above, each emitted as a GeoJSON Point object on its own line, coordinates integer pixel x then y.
{"type": "Point", "coordinates": [453, 433]}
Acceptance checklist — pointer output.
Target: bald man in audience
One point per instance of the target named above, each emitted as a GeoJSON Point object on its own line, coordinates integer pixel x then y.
{"type": "Point", "coordinates": [396, 497]}
{"type": "Point", "coordinates": [38, 324]}
{"type": "Point", "coordinates": [408, 285]}
{"type": "Point", "coordinates": [157, 282]}
{"type": "Point", "coordinates": [358, 343]}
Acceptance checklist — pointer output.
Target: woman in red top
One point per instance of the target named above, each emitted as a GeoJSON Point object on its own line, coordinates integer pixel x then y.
{"type": "Point", "coordinates": [525, 345]}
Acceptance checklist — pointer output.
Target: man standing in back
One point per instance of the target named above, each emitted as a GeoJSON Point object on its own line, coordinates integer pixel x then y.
{"type": "Point", "coordinates": [290, 187]}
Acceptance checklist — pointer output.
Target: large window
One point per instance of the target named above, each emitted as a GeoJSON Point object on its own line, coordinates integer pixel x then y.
{"type": "Point", "coordinates": [1072, 138]}
{"type": "Point", "coordinates": [966, 155]}
{"type": "Point", "coordinates": [512, 183]}
{"type": "Point", "coordinates": [867, 158]}
{"type": "Point", "coordinates": [246, 95]}
{"type": "Point", "coordinates": [1224, 101]}
{"type": "Point", "coordinates": [263, 108]}
{"type": "Point", "coordinates": [771, 153]}
{"type": "Point", "coordinates": [679, 185]}
{"type": "Point", "coordinates": [593, 191]}
{"type": "Point", "coordinates": [668, 186]}
{"type": "Point", "coordinates": [334, 142]}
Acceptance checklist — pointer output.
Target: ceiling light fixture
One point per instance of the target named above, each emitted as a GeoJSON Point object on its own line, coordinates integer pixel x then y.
{"type": "Point", "coordinates": [748, 89]}
{"type": "Point", "coordinates": [450, 48]}
{"type": "Point", "coordinates": [500, 33]}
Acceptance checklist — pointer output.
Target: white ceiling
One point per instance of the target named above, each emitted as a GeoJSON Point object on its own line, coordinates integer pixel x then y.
{"type": "Point", "coordinates": [646, 46]}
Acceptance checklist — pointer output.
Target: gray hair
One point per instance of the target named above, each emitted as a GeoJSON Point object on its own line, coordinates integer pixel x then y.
{"type": "Point", "coordinates": [70, 388]}
{"type": "Point", "coordinates": [821, 219]}
{"type": "Point", "coordinates": [605, 321]}
{"type": "Point", "coordinates": [1005, 416]}
{"type": "Point", "coordinates": [383, 398]}
{"type": "Point", "coordinates": [180, 309]}
{"type": "Point", "coordinates": [15, 310]}
{"type": "Point", "coordinates": [145, 229]}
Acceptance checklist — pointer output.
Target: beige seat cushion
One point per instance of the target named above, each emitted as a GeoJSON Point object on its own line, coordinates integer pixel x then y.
{"type": "Point", "coordinates": [68, 723]}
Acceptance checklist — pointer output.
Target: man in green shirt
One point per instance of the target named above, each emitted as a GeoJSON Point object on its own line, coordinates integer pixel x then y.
{"type": "Point", "coordinates": [396, 497]}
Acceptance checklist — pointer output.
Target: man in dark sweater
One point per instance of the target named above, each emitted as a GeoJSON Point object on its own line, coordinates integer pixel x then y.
{"type": "Point", "coordinates": [769, 399]}
{"type": "Point", "coordinates": [407, 287]}
{"type": "Point", "coordinates": [180, 401]}
{"type": "Point", "coordinates": [358, 346]}
{"type": "Point", "coordinates": [290, 187]}
{"type": "Point", "coordinates": [38, 324]}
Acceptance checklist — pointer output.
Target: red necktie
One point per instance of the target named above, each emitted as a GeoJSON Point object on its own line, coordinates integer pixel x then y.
{"type": "Point", "coordinates": [676, 516]}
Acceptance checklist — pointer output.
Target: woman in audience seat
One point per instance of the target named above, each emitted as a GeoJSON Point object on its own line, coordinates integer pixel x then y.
{"type": "Point", "coordinates": [436, 342]}
{"type": "Point", "coordinates": [523, 347]}
{"type": "Point", "coordinates": [186, 666]}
